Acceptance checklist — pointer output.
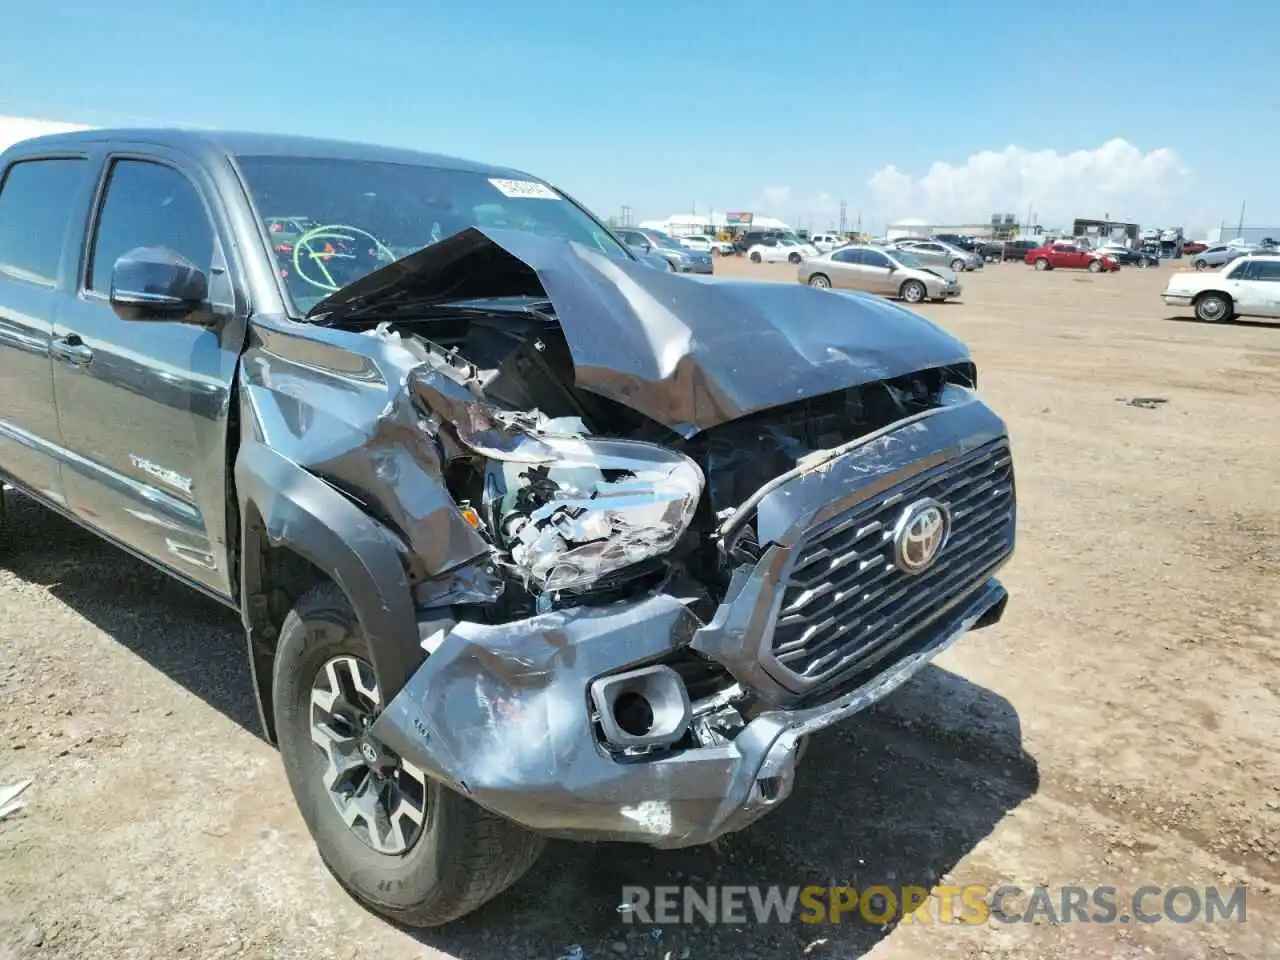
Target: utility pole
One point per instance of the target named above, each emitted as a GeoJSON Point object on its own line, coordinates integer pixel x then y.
{"type": "Point", "coordinates": [843, 209]}
{"type": "Point", "coordinates": [1240, 225]}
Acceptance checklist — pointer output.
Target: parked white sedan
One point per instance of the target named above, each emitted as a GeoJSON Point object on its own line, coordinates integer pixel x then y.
{"type": "Point", "coordinates": [1247, 287]}
{"type": "Point", "coordinates": [706, 244]}
{"type": "Point", "coordinates": [780, 250]}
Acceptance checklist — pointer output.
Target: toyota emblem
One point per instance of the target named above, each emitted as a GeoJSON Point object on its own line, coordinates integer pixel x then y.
{"type": "Point", "coordinates": [920, 535]}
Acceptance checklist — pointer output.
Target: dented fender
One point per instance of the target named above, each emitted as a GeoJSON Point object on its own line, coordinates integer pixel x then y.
{"type": "Point", "coordinates": [336, 464]}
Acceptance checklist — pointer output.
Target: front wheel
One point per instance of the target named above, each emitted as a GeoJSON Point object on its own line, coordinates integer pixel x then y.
{"type": "Point", "coordinates": [1200, 265]}
{"type": "Point", "coordinates": [755, 258]}
{"type": "Point", "coordinates": [913, 291]}
{"type": "Point", "coordinates": [1213, 307]}
{"type": "Point", "coordinates": [1042, 264]}
{"type": "Point", "coordinates": [820, 281]}
{"type": "Point", "coordinates": [794, 258]}
{"type": "Point", "coordinates": [412, 849]}
{"type": "Point", "coordinates": [957, 266]}
{"type": "Point", "coordinates": [1095, 266]}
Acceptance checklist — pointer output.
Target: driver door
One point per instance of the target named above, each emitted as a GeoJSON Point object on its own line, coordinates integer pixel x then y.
{"type": "Point", "coordinates": [143, 405]}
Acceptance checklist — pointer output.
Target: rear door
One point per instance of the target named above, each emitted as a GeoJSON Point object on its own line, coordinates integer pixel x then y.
{"type": "Point", "coordinates": [845, 270]}
{"type": "Point", "coordinates": [932, 254]}
{"type": "Point", "coordinates": [39, 198]}
{"type": "Point", "coordinates": [143, 405]}
{"type": "Point", "coordinates": [1265, 279]}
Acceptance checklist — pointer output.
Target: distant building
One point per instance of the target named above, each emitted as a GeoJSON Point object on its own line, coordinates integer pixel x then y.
{"type": "Point", "coordinates": [923, 228]}
{"type": "Point", "coordinates": [1105, 231]}
{"type": "Point", "coordinates": [1249, 234]}
{"type": "Point", "coordinates": [691, 224]}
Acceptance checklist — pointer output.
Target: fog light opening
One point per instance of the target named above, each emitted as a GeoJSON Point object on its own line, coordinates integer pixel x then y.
{"type": "Point", "coordinates": [648, 707]}
{"type": "Point", "coordinates": [633, 713]}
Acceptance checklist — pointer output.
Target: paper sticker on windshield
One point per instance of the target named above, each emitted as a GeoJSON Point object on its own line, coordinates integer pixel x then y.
{"type": "Point", "coordinates": [524, 189]}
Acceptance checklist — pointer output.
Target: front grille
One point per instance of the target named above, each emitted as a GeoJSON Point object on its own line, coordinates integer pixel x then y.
{"type": "Point", "coordinates": [847, 604]}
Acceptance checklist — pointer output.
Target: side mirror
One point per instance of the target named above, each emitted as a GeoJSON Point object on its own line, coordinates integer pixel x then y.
{"type": "Point", "coordinates": [892, 267]}
{"type": "Point", "coordinates": [155, 283]}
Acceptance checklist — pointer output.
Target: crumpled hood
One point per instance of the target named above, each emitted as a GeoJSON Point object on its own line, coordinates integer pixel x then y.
{"type": "Point", "coordinates": [688, 353]}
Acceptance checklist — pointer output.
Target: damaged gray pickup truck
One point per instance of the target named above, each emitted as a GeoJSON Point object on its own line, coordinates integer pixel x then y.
{"type": "Point", "coordinates": [529, 539]}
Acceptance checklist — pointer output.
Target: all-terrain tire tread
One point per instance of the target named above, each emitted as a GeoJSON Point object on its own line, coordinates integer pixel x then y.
{"type": "Point", "coordinates": [496, 852]}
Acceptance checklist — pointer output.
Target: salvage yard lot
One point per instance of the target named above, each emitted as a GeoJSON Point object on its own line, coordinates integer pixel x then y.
{"type": "Point", "coordinates": [1118, 727]}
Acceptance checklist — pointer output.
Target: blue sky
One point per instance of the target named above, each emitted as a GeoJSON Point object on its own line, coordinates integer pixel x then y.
{"type": "Point", "coordinates": [667, 104]}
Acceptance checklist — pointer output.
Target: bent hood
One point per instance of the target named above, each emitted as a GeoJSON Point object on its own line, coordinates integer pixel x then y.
{"type": "Point", "coordinates": [689, 353]}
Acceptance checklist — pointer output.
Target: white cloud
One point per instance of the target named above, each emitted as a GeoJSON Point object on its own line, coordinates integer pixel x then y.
{"type": "Point", "coordinates": [772, 200]}
{"type": "Point", "coordinates": [815, 210]}
{"type": "Point", "coordinates": [1117, 178]}
{"type": "Point", "coordinates": [13, 129]}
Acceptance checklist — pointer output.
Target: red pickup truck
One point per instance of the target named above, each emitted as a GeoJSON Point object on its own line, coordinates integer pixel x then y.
{"type": "Point", "coordinates": [1070, 256]}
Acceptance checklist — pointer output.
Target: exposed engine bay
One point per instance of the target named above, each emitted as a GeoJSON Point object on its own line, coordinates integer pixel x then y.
{"type": "Point", "coordinates": [582, 497]}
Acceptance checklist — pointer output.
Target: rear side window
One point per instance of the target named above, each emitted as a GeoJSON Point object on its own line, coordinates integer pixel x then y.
{"type": "Point", "coordinates": [149, 205]}
{"type": "Point", "coordinates": [36, 202]}
{"type": "Point", "coordinates": [1266, 270]}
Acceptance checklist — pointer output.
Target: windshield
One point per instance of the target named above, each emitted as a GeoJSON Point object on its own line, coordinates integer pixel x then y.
{"type": "Point", "coordinates": [909, 260]}
{"type": "Point", "coordinates": [332, 221]}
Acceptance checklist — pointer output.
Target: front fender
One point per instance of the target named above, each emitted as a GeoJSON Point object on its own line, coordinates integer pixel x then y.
{"type": "Point", "coordinates": [284, 505]}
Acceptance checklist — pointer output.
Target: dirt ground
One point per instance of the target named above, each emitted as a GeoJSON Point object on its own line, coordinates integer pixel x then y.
{"type": "Point", "coordinates": [1118, 727]}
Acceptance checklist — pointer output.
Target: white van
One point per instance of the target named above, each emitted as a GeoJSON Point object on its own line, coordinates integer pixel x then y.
{"type": "Point", "coordinates": [826, 242]}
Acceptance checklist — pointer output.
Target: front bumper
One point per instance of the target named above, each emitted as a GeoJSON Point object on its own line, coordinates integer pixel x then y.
{"type": "Point", "coordinates": [697, 266]}
{"type": "Point", "coordinates": [1177, 299]}
{"type": "Point", "coordinates": [502, 714]}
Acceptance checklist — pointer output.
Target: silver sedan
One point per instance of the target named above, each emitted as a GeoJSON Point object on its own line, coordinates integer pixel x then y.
{"type": "Point", "coordinates": [935, 253]}
{"type": "Point", "coordinates": [890, 273]}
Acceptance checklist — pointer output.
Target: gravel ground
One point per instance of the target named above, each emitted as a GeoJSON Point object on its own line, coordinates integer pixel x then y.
{"type": "Point", "coordinates": [1118, 727]}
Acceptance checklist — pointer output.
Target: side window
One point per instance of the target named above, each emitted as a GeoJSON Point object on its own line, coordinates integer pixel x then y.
{"type": "Point", "coordinates": [36, 202]}
{"type": "Point", "coordinates": [148, 205]}
{"type": "Point", "coordinates": [847, 256]}
{"type": "Point", "coordinates": [1268, 270]}
{"type": "Point", "coordinates": [874, 258]}
{"type": "Point", "coordinates": [1245, 270]}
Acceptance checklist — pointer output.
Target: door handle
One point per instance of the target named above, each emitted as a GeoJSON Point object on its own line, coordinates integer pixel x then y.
{"type": "Point", "coordinates": [72, 349]}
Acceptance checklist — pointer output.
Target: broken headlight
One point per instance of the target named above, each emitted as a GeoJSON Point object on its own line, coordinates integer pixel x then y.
{"type": "Point", "coordinates": [598, 507]}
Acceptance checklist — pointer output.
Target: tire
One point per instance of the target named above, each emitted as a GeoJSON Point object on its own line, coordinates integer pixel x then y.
{"type": "Point", "coordinates": [1200, 265]}
{"type": "Point", "coordinates": [794, 258]}
{"type": "Point", "coordinates": [462, 856]}
{"type": "Point", "coordinates": [1214, 307]}
{"type": "Point", "coordinates": [755, 257]}
{"type": "Point", "coordinates": [913, 291]}
{"type": "Point", "coordinates": [1041, 263]}
{"type": "Point", "coordinates": [957, 266]}
{"type": "Point", "coordinates": [821, 281]}
{"type": "Point", "coordinates": [1095, 266]}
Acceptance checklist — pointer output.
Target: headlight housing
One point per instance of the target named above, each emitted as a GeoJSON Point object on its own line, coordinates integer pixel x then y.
{"type": "Point", "coordinates": [594, 508]}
